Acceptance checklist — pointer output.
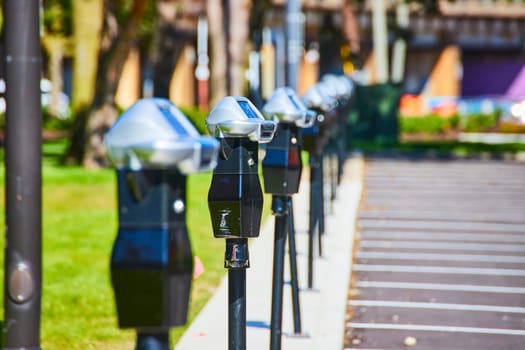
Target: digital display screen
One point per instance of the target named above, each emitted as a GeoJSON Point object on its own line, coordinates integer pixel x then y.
{"type": "Point", "coordinates": [247, 109]}
{"type": "Point", "coordinates": [295, 102]}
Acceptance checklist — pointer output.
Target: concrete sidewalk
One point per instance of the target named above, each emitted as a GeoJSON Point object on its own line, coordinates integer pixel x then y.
{"type": "Point", "coordinates": [322, 308]}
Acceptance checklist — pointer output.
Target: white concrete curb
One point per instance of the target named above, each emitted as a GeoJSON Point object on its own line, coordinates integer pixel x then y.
{"type": "Point", "coordinates": [322, 309]}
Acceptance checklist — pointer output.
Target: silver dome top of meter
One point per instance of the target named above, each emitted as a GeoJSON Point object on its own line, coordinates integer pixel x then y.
{"type": "Point", "coordinates": [285, 106]}
{"type": "Point", "coordinates": [317, 97]}
{"type": "Point", "coordinates": [236, 116]}
{"type": "Point", "coordinates": [340, 86]}
{"type": "Point", "coordinates": [154, 133]}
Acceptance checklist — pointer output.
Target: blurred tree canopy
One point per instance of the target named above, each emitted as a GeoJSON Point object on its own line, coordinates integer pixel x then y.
{"type": "Point", "coordinates": [99, 34]}
{"type": "Point", "coordinates": [120, 29]}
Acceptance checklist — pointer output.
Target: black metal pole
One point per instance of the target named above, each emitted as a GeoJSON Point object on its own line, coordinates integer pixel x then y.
{"type": "Point", "coordinates": [280, 210]}
{"type": "Point", "coordinates": [341, 143]}
{"type": "Point", "coordinates": [334, 170]}
{"type": "Point", "coordinates": [313, 213]}
{"type": "Point", "coordinates": [321, 200]}
{"type": "Point", "coordinates": [237, 309]}
{"type": "Point", "coordinates": [237, 251]}
{"type": "Point", "coordinates": [294, 280]}
{"type": "Point", "coordinates": [23, 175]}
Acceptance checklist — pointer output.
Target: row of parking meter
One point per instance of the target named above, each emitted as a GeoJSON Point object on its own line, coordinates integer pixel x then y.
{"type": "Point", "coordinates": [339, 87]}
{"type": "Point", "coordinates": [282, 167]}
{"type": "Point", "coordinates": [154, 147]}
{"type": "Point", "coordinates": [329, 99]}
{"type": "Point", "coordinates": [315, 140]}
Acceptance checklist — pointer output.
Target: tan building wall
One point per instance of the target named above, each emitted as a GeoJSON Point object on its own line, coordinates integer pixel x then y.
{"type": "Point", "coordinates": [445, 78]}
{"type": "Point", "coordinates": [128, 90]}
{"type": "Point", "coordinates": [308, 71]}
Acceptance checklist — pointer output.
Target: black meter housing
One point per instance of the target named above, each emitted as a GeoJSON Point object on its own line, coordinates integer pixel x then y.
{"type": "Point", "coordinates": [152, 261]}
{"type": "Point", "coordinates": [154, 147]}
{"type": "Point", "coordinates": [235, 197]}
{"type": "Point", "coordinates": [282, 164]}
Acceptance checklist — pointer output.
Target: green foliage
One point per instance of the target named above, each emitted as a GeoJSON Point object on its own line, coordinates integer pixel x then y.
{"type": "Point", "coordinates": [57, 16]}
{"type": "Point", "coordinates": [435, 124]}
{"type": "Point", "coordinates": [428, 124]}
{"type": "Point", "coordinates": [52, 122]}
{"type": "Point", "coordinates": [479, 122]}
{"type": "Point", "coordinates": [122, 10]}
{"type": "Point", "coordinates": [197, 118]}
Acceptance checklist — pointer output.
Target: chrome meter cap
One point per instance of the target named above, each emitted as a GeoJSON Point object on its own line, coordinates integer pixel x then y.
{"type": "Point", "coordinates": [340, 85]}
{"type": "Point", "coordinates": [236, 116]}
{"type": "Point", "coordinates": [316, 97]}
{"type": "Point", "coordinates": [154, 133]}
{"type": "Point", "coordinates": [285, 106]}
{"type": "Point", "coordinates": [347, 85]}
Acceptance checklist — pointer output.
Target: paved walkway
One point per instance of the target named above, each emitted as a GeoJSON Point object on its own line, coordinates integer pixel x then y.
{"type": "Point", "coordinates": [322, 308]}
{"type": "Point", "coordinates": [440, 262]}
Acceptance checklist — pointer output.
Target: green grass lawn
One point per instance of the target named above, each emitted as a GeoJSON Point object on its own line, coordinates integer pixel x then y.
{"type": "Point", "coordinates": [79, 227]}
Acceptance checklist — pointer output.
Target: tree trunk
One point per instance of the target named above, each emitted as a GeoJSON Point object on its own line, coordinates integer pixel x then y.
{"type": "Point", "coordinates": [90, 126]}
{"type": "Point", "coordinates": [400, 45]}
{"type": "Point", "coordinates": [55, 47]}
{"type": "Point", "coordinates": [380, 36]}
{"type": "Point", "coordinates": [218, 56]}
{"type": "Point", "coordinates": [87, 30]}
{"type": "Point", "coordinates": [169, 45]}
{"type": "Point", "coordinates": [238, 48]}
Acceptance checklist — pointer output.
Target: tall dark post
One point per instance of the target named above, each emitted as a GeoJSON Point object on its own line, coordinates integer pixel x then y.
{"type": "Point", "coordinates": [281, 211]}
{"type": "Point", "coordinates": [23, 174]}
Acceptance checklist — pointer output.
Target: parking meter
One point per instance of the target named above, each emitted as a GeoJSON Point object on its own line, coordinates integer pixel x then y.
{"type": "Point", "coordinates": [341, 89]}
{"type": "Point", "coordinates": [341, 86]}
{"type": "Point", "coordinates": [317, 99]}
{"type": "Point", "coordinates": [235, 197]}
{"type": "Point", "coordinates": [282, 168]}
{"type": "Point", "coordinates": [154, 147]}
{"type": "Point", "coordinates": [282, 164]}
{"type": "Point", "coordinates": [315, 140]}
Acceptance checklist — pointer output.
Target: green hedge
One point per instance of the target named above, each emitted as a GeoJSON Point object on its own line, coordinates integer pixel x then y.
{"type": "Point", "coordinates": [197, 117]}
{"type": "Point", "coordinates": [431, 123]}
{"type": "Point", "coordinates": [479, 122]}
{"type": "Point", "coordinates": [435, 124]}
